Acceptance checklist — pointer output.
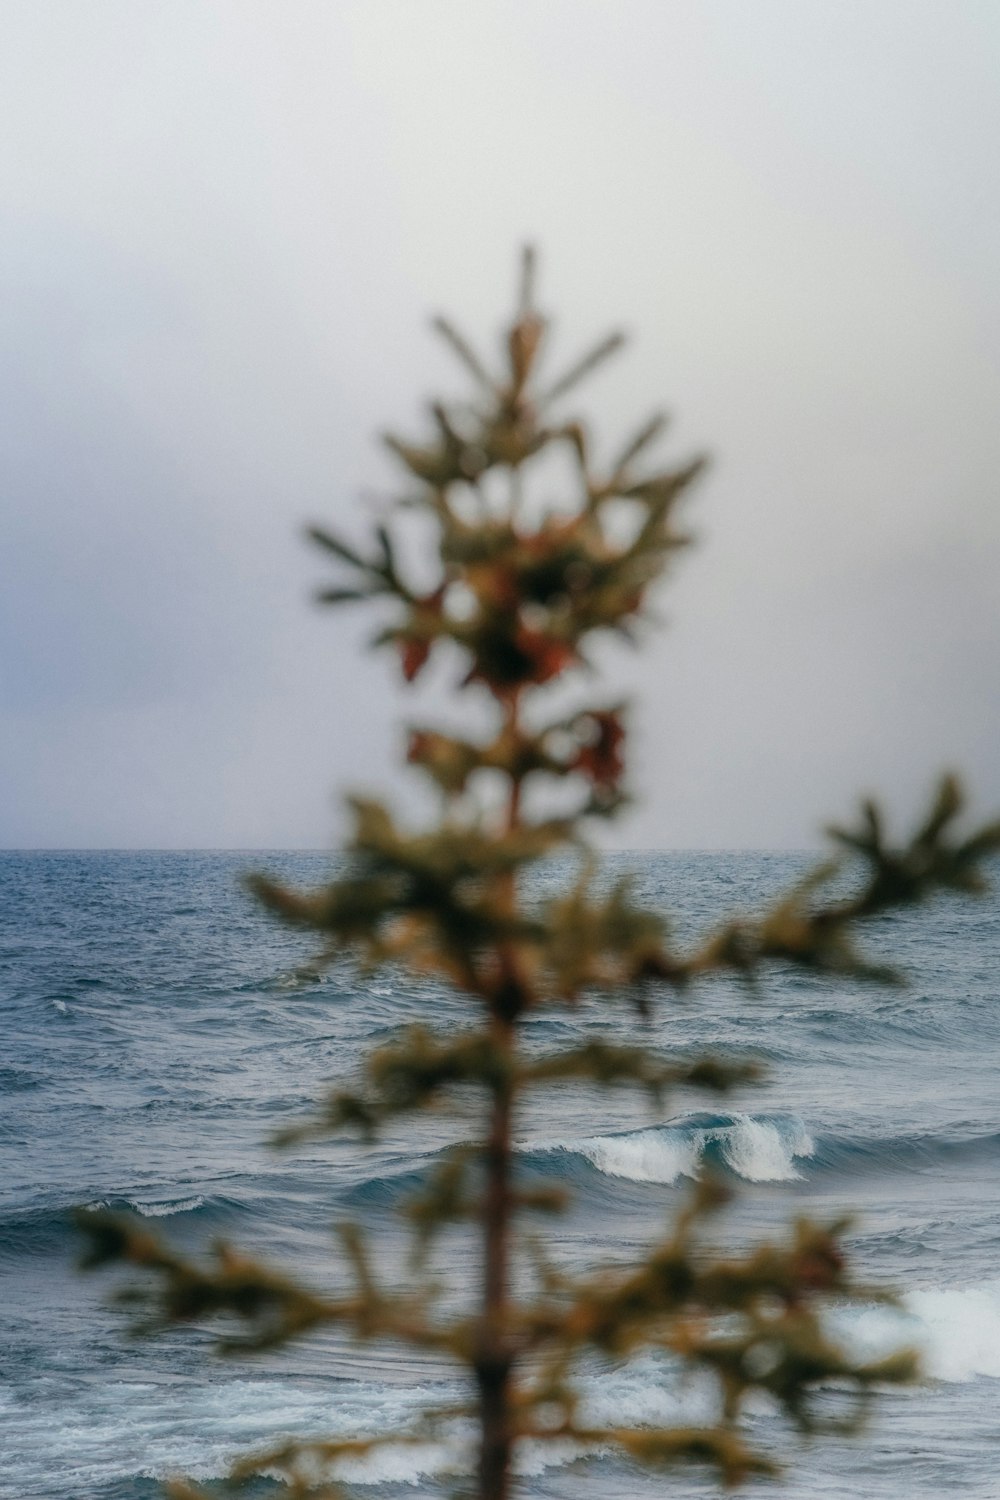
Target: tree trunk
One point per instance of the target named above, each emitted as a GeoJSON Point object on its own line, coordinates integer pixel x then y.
{"type": "Point", "coordinates": [494, 1360]}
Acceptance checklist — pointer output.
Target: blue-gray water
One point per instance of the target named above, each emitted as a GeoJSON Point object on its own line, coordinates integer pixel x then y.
{"type": "Point", "coordinates": [149, 1046]}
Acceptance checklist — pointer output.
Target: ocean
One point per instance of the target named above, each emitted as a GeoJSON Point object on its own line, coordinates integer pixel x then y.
{"type": "Point", "coordinates": [152, 1039]}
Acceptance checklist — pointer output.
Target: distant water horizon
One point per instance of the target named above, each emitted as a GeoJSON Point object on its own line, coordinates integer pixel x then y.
{"type": "Point", "coordinates": [154, 1037]}
{"type": "Point", "coordinates": [332, 848]}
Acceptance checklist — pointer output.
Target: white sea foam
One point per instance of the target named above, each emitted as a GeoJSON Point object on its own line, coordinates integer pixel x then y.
{"type": "Point", "coordinates": [162, 1210]}
{"type": "Point", "coordinates": [117, 1429]}
{"type": "Point", "coordinates": [756, 1150]}
{"type": "Point", "coordinates": [639, 1393]}
{"type": "Point", "coordinates": [643, 1392]}
{"type": "Point", "coordinates": [120, 1428]}
{"type": "Point", "coordinates": [405, 1463]}
{"type": "Point", "coordinates": [646, 1156]}
{"type": "Point", "coordinates": [761, 1151]}
{"type": "Point", "coordinates": [959, 1330]}
{"type": "Point", "coordinates": [156, 1209]}
{"type": "Point", "coordinates": [410, 1463]}
{"type": "Point", "coordinates": [955, 1331]}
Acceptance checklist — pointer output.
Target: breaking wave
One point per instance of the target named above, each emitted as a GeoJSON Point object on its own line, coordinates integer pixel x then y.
{"type": "Point", "coordinates": [758, 1148]}
{"type": "Point", "coordinates": [955, 1330]}
{"type": "Point", "coordinates": [50, 1229]}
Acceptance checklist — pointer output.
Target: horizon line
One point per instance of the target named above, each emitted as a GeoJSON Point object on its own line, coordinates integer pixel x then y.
{"type": "Point", "coordinates": [324, 849]}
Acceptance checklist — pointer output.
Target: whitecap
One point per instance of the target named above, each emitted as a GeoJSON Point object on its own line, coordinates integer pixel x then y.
{"type": "Point", "coordinates": [647, 1156]}
{"type": "Point", "coordinates": [954, 1330]}
{"type": "Point", "coordinates": [405, 1463]}
{"type": "Point", "coordinates": [959, 1330]}
{"type": "Point", "coordinates": [162, 1210]}
{"type": "Point", "coordinates": [758, 1150]}
{"type": "Point", "coordinates": [763, 1150]}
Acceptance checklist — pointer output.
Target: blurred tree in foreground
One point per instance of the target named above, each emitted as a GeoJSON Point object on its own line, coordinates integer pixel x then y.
{"type": "Point", "coordinates": [519, 595]}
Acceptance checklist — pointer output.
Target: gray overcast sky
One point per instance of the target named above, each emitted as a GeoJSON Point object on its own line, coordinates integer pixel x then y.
{"type": "Point", "coordinates": [223, 228]}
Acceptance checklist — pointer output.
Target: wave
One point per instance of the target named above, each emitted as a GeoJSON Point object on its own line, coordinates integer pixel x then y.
{"type": "Point", "coordinates": [755, 1148]}
{"type": "Point", "coordinates": [758, 1148]}
{"type": "Point", "coordinates": [960, 1330]}
{"type": "Point", "coordinates": [955, 1330]}
{"type": "Point", "coordinates": [159, 1208]}
{"type": "Point", "coordinates": [384, 1190]}
{"type": "Point", "coordinates": [50, 1229]}
{"type": "Point", "coordinates": [913, 1152]}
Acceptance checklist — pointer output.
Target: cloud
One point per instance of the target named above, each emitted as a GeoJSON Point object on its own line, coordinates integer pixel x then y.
{"type": "Point", "coordinates": [223, 228]}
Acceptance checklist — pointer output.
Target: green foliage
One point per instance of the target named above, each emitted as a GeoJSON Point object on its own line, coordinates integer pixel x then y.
{"type": "Point", "coordinates": [517, 600]}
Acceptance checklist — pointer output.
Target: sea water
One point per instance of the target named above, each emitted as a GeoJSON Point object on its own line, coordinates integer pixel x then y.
{"type": "Point", "coordinates": [154, 1036]}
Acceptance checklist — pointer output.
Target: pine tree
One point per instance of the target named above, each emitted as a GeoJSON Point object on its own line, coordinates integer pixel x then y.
{"type": "Point", "coordinates": [519, 597]}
